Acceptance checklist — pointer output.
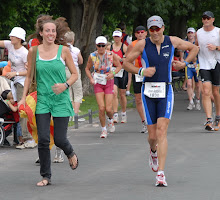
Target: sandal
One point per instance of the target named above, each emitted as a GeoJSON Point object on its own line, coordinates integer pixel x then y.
{"type": "Point", "coordinates": [72, 165]}
{"type": "Point", "coordinates": [44, 182]}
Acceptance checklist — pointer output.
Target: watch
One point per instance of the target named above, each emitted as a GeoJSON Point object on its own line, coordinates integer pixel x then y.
{"type": "Point", "coordinates": [17, 73]}
{"type": "Point", "coordinates": [216, 48]}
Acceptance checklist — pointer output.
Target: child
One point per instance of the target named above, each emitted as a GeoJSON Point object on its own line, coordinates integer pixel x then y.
{"type": "Point", "coordinates": [7, 95]}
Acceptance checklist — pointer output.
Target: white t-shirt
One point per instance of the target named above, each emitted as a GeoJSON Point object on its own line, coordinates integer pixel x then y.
{"type": "Point", "coordinates": [207, 58]}
{"type": "Point", "coordinates": [74, 52]}
{"type": "Point", "coordinates": [18, 58]}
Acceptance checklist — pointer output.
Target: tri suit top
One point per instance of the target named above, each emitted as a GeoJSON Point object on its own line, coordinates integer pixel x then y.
{"type": "Point", "coordinates": [155, 108]}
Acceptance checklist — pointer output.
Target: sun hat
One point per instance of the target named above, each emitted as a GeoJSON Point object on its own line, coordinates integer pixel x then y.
{"type": "Point", "coordinates": [18, 32]}
{"type": "Point", "coordinates": [101, 39]}
{"type": "Point", "coordinates": [155, 21]}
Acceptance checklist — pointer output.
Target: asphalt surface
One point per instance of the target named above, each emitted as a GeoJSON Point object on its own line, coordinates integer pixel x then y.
{"type": "Point", "coordinates": [117, 168]}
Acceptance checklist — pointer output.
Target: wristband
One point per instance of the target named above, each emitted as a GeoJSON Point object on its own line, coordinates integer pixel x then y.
{"type": "Point", "coordinates": [67, 85]}
{"type": "Point", "coordinates": [142, 72]}
{"type": "Point", "coordinates": [186, 62]}
{"type": "Point", "coordinates": [139, 71]}
{"type": "Point", "coordinates": [113, 72]}
{"type": "Point", "coordinates": [216, 48]}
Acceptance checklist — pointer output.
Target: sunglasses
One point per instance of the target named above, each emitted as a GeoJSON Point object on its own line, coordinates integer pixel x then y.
{"type": "Point", "coordinates": [206, 17]}
{"type": "Point", "coordinates": [190, 32]}
{"type": "Point", "coordinates": [100, 45]}
{"type": "Point", "coordinates": [154, 29]}
{"type": "Point", "coordinates": [138, 32]}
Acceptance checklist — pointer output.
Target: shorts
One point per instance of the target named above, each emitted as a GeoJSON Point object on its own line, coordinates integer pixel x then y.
{"type": "Point", "coordinates": [155, 108]}
{"type": "Point", "coordinates": [107, 89]}
{"type": "Point", "coordinates": [190, 73]}
{"type": "Point", "coordinates": [75, 90]}
{"type": "Point", "coordinates": [212, 75]}
{"type": "Point", "coordinates": [121, 83]}
{"type": "Point", "coordinates": [136, 85]}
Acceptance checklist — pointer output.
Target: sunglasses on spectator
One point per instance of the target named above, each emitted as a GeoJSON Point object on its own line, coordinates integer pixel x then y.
{"type": "Point", "coordinates": [100, 45]}
{"type": "Point", "coordinates": [138, 32]}
{"type": "Point", "coordinates": [190, 32]}
{"type": "Point", "coordinates": [154, 29]}
{"type": "Point", "coordinates": [206, 17]}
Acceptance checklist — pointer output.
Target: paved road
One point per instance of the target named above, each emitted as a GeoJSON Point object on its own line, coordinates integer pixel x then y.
{"type": "Point", "coordinates": [116, 168]}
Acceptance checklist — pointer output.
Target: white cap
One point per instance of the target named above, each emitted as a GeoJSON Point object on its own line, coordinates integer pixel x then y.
{"type": "Point", "coordinates": [191, 30]}
{"type": "Point", "coordinates": [155, 21]}
{"type": "Point", "coordinates": [117, 33]}
{"type": "Point", "coordinates": [101, 39]}
{"type": "Point", "coordinates": [18, 32]}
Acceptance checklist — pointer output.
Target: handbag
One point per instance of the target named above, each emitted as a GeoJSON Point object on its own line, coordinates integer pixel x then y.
{"type": "Point", "coordinates": [33, 84]}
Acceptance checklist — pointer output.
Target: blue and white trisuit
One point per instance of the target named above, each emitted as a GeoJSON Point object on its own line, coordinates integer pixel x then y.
{"type": "Point", "coordinates": [157, 92]}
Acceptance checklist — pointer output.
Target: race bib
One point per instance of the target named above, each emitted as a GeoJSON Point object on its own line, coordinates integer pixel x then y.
{"type": "Point", "coordinates": [155, 89]}
{"type": "Point", "coordinates": [100, 78]}
{"type": "Point", "coordinates": [119, 74]}
{"type": "Point", "coordinates": [139, 78]}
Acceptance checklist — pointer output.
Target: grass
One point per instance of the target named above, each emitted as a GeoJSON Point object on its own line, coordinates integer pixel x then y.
{"type": "Point", "coordinates": [90, 103]}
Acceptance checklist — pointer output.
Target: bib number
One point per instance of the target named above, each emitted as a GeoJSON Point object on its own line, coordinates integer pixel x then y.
{"type": "Point", "coordinates": [139, 78]}
{"type": "Point", "coordinates": [155, 89]}
{"type": "Point", "coordinates": [100, 78]}
{"type": "Point", "coordinates": [119, 74]}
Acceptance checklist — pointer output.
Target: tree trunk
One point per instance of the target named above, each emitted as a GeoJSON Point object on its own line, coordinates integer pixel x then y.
{"type": "Point", "coordinates": [85, 18]}
{"type": "Point", "coordinates": [178, 26]}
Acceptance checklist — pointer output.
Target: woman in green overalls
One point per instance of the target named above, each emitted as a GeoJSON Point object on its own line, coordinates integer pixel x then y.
{"type": "Point", "coordinates": [52, 94]}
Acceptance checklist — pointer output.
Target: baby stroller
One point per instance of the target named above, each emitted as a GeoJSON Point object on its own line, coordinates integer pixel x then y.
{"type": "Point", "coordinates": [7, 123]}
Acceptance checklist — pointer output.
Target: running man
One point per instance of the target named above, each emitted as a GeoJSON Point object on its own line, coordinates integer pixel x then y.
{"type": "Point", "coordinates": [208, 40]}
{"type": "Point", "coordinates": [140, 33]}
{"type": "Point", "coordinates": [157, 94]}
{"type": "Point", "coordinates": [191, 71]}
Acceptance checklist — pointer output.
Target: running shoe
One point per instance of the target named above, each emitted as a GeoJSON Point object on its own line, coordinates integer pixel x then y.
{"type": "Point", "coordinates": [161, 180]}
{"type": "Point", "coordinates": [144, 127]}
{"type": "Point", "coordinates": [104, 134]}
{"type": "Point", "coordinates": [198, 106]}
{"type": "Point", "coordinates": [216, 124]}
{"type": "Point", "coordinates": [190, 106]}
{"type": "Point", "coordinates": [30, 144]}
{"type": "Point", "coordinates": [153, 161]}
{"type": "Point", "coordinates": [208, 126]}
{"type": "Point", "coordinates": [115, 118]}
{"type": "Point", "coordinates": [58, 156]}
{"type": "Point", "coordinates": [124, 118]}
{"type": "Point", "coordinates": [20, 146]}
{"type": "Point", "coordinates": [111, 127]}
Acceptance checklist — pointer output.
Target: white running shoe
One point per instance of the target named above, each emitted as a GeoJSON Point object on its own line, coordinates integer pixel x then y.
{"type": "Point", "coordinates": [191, 106]}
{"type": "Point", "coordinates": [124, 118]}
{"type": "Point", "coordinates": [161, 180]}
{"type": "Point", "coordinates": [111, 127]}
{"type": "Point", "coordinates": [104, 134]}
{"type": "Point", "coordinates": [198, 106]}
{"type": "Point", "coordinates": [153, 161]}
{"type": "Point", "coordinates": [115, 118]}
{"type": "Point", "coordinates": [144, 127]}
{"type": "Point", "coordinates": [58, 156]}
{"type": "Point", "coordinates": [30, 144]}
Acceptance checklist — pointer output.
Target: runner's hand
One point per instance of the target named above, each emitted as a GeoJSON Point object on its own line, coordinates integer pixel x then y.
{"type": "Point", "coordinates": [149, 72]}
{"type": "Point", "coordinates": [58, 88]}
{"type": "Point", "coordinates": [178, 65]}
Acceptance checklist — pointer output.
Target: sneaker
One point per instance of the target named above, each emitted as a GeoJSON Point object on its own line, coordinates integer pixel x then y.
{"type": "Point", "coordinates": [104, 134]}
{"type": "Point", "coordinates": [153, 161]}
{"type": "Point", "coordinates": [144, 127]}
{"type": "Point", "coordinates": [191, 106]}
{"type": "Point", "coordinates": [124, 118]}
{"type": "Point", "coordinates": [111, 127]}
{"type": "Point", "coordinates": [115, 118]}
{"type": "Point", "coordinates": [58, 156]}
{"type": "Point", "coordinates": [161, 180]}
{"type": "Point", "coordinates": [216, 124]}
{"type": "Point", "coordinates": [20, 146]}
{"type": "Point", "coordinates": [37, 160]}
{"type": "Point", "coordinates": [198, 106]}
{"type": "Point", "coordinates": [208, 126]}
{"type": "Point", "coordinates": [30, 144]}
